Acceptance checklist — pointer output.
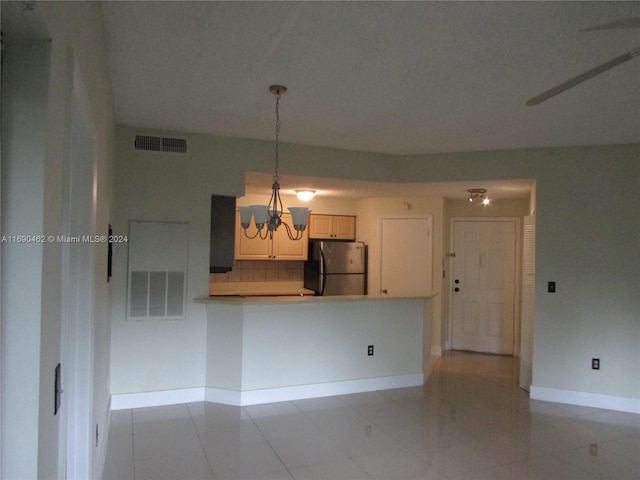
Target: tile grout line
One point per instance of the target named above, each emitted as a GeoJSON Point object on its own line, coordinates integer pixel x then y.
{"type": "Point", "coordinates": [200, 440]}
{"type": "Point", "coordinates": [267, 440]}
{"type": "Point", "coordinates": [330, 438]}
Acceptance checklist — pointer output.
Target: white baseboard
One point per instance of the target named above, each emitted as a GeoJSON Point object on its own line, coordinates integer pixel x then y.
{"type": "Point", "coordinates": [299, 392]}
{"type": "Point", "coordinates": [436, 351]}
{"type": "Point", "coordinates": [585, 399]}
{"type": "Point", "coordinates": [267, 395]}
{"type": "Point", "coordinates": [156, 399]}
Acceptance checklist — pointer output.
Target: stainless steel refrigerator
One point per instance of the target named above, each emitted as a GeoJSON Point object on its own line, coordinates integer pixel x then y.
{"type": "Point", "coordinates": [336, 268]}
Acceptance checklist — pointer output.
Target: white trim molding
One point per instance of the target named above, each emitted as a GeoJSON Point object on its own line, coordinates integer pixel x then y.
{"type": "Point", "coordinates": [299, 392]}
{"type": "Point", "coordinates": [267, 395]}
{"type": "Point", "coordinates": [124, 401]}
{"type": "Point", "coordinates": [585, 399]}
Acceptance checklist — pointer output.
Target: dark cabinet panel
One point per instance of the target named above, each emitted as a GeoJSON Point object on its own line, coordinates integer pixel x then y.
{"type": "Point", "coordinates": [222, 238]}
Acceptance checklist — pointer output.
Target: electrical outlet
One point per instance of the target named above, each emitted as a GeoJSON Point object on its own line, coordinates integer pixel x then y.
{"type": "Point", "coordinates": [595, 364]}
{"type": "Point", "coordinates": [370, 350]}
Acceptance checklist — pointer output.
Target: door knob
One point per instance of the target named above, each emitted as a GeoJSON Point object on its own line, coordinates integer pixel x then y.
{"type": "Point", "coordinates": [385, 291]}
{"type": "Point", "coordinates": [456, 289]}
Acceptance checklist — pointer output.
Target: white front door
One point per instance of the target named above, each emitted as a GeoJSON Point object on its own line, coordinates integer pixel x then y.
{"type": "Point", "coordinates": [483, 286]}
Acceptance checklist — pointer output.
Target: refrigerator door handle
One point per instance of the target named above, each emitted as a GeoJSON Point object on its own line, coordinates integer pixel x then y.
{"type": "Point", "coordinates": [323, 272]}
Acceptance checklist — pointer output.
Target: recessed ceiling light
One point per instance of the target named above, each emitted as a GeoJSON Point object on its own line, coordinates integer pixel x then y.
{"type": "Point", "coordinates": [305, 195]}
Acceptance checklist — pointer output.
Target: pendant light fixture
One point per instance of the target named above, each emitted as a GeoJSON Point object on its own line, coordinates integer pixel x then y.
{"type": "Point", "coordinates": [271, 215]}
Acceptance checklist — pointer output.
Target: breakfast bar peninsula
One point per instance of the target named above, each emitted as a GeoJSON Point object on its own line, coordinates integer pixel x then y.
{"type": "Point", "coordinates": [263, 349]}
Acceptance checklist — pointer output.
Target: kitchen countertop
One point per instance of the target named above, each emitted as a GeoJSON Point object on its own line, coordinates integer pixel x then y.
{"type": "Point", "coordinates": [283, 299]}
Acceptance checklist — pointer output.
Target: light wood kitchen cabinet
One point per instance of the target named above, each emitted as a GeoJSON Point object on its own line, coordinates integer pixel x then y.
{"type": "Point", "coordinates": [332, 227]}
{"type": "Point", "coordinates": [280, 247]}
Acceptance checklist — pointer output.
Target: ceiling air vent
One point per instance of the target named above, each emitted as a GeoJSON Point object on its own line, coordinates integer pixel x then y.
{"type": "Point", "coordinates": [150, 143]}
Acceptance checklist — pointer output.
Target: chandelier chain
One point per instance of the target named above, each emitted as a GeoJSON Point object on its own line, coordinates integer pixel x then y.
{"type": "Point", "coordinates": [277, 160]}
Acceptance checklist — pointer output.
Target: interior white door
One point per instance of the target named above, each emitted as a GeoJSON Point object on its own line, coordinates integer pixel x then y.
{"type": "Point", "coordinates": [483, 296]}
{"type": "Point", "coordinates": [405, 256]}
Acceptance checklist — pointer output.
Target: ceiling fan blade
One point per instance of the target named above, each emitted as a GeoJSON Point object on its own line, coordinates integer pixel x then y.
{"type": "Point", "coordinates": [622, 23]}
{"type": "Point", "coordinates": [552, 92]}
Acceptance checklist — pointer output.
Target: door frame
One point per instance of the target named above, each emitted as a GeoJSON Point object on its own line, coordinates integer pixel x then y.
{"type": "Point", "coordinates": [517, 290]}
{"type": "Point", "coordinates": [528, 295]}
{"type": "Point", "coordinates": [77, 330]}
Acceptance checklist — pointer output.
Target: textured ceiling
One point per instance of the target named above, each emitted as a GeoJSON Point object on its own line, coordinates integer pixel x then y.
{"type": "Point", "coordinates": [392, 77]}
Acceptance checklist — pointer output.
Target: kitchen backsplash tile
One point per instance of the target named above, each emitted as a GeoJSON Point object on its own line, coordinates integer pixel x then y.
{"type": "Point", "coordinates": [261, 271]}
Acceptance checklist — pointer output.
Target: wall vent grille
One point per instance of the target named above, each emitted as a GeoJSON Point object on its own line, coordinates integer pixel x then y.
{"type": "Point", "coordinates": [156, 295]}
{"type": "Point", "coordinates": [150, 143]}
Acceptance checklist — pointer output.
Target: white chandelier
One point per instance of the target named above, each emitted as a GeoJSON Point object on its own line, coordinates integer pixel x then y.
{"type": "Point", "coordinates": [271, 214]}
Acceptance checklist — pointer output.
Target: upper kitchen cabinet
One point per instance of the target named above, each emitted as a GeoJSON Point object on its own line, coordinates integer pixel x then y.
{"type": "Point", "coordinates": [332, 227]}
{"type": "Point", "coordinates": [280, 247]}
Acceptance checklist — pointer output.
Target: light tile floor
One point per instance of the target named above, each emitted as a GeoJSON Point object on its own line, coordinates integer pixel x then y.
{"type": "Point", "coordinates": [469, 421]}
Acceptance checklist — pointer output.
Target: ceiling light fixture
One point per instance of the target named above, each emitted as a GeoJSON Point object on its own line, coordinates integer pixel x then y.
{"type": "Point", "coordinates": [477, 195]}
{"type": "Point", "coordinates": [271, 214]}
{"type": "Point", "coordinates": [305, 195]}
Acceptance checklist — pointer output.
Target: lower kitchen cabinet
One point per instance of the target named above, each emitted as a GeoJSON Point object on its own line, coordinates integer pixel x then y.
{"type": "Point", "coordinates": [280, 247]}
